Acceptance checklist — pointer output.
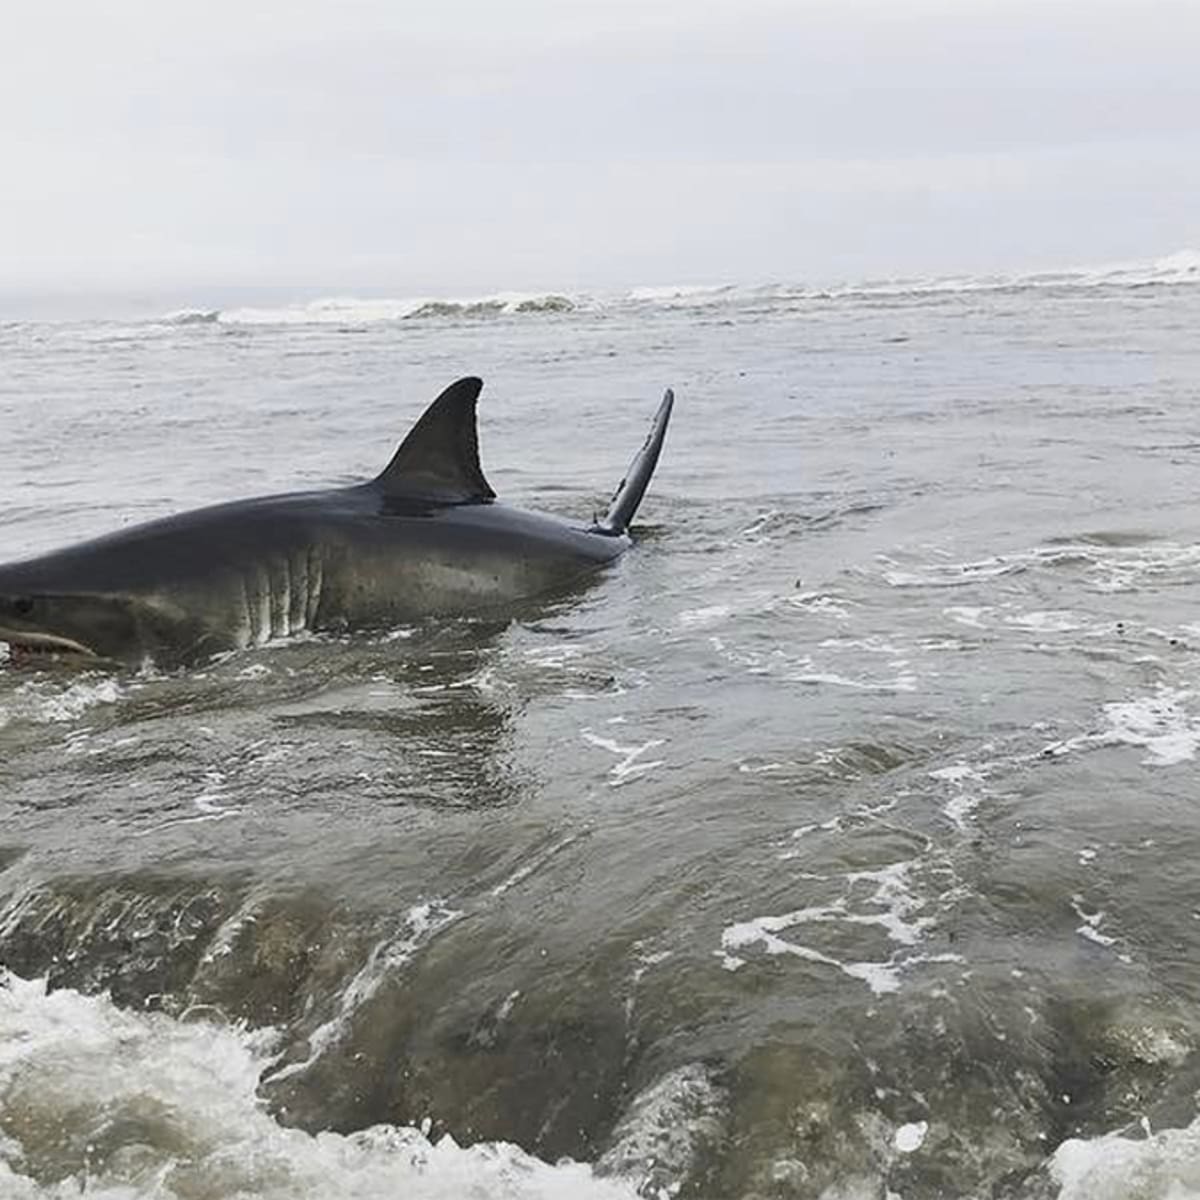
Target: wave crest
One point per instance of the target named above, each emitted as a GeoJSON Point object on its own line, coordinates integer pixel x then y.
{"type": "Point", "coordinates": [1173, 270]}
{"type": "Point", "coordinates": [349, 310]}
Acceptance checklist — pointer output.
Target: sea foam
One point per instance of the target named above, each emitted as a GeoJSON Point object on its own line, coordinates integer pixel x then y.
{"type": "Point", "coordinates": [149, 1105]}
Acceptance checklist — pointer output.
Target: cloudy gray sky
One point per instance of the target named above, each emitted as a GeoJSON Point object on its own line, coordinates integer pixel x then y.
{"type": "Point", "coordinates": [464, 146]}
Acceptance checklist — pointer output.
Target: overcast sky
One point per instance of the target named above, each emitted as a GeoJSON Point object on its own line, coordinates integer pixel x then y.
{"type": "Point", "coordinates": [463, 146]}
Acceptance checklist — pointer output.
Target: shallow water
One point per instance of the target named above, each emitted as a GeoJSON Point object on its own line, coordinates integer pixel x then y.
{"type": "Point", "coordinates": [837, 842]}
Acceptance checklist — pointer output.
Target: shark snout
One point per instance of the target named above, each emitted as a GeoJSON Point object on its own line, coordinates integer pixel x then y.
{"type": "Point", "coordinates": [23, 644]}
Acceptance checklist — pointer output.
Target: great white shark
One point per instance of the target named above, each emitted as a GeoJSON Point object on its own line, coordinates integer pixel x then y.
{"type": "Point", "coordinates": [425, 538]}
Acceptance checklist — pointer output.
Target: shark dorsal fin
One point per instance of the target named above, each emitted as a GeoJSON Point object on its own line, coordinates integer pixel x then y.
{"type": "Point", "coordinates": [439, 460]}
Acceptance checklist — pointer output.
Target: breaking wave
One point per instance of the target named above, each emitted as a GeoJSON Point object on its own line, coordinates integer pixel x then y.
{"type": "Point", "coordinates": [1182, 267]}
{"type": "Point", "coordinates": [192, 316]}
{"type": "Point", "coordinates": [1179, 269]}
{"type": "Point", "coordinates": [348, 310]}
{"type": "Point", "coordinates": [142, 1104]}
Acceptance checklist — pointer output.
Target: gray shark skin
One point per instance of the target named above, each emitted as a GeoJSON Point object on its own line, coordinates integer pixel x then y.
{"type": "Point", "coordinates": [426, 538]}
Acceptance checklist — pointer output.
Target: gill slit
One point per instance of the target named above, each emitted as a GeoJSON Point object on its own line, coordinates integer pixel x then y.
{"type": "Point", "coordinates": [315, 581]}
{"type": "Point", "coordinates": [297, 593]}
{"type": "Point", "coordinates": [264, 605]}
{"type": "Point", "coordinates": [285, 599]}
{"type": "Point", "coordinates": [248, 634]}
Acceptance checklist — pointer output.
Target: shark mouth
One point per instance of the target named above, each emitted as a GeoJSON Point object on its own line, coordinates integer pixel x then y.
{"type": "Point", "coordinates": [25, 645]}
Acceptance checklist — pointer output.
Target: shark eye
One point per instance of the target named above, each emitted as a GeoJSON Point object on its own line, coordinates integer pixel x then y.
{"type": "Point", "coordinates": [23, 606]}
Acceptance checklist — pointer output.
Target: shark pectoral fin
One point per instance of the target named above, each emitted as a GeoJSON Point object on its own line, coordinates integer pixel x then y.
{"type": "Point", "coordinates": [439, 459]}
{"type": "Point", "coordinates": [633, 487]}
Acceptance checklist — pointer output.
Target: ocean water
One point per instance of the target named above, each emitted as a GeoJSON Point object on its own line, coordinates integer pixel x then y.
{"type": "Point", "coordinates": [840, 841]}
